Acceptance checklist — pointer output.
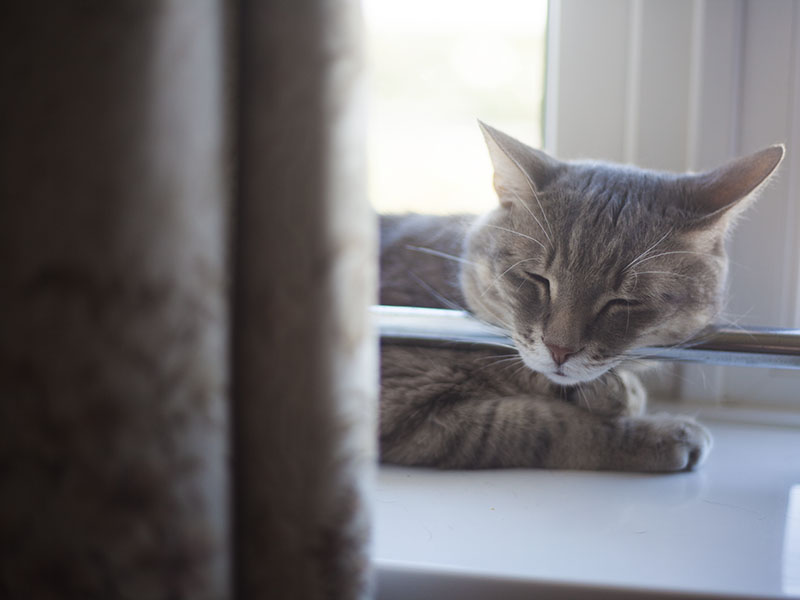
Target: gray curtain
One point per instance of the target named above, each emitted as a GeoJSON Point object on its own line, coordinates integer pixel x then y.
{"type": "Point", "coordinates": [304, 364]}
{"type": "Point", "coordinates": [186, 368]}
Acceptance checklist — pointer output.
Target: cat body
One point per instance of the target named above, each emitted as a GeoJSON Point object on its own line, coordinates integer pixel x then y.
{"type": "Point", "coordinates": [420, 262]}
{"type": "Point", "coordinates": [579, 263]}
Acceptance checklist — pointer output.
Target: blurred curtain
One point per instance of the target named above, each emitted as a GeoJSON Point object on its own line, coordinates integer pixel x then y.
{"type": "Point", "coordinates": [185, 263]}
{"type": "Point", "coordinates": [304, 365]}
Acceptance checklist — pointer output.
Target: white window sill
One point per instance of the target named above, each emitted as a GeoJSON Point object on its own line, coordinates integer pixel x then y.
{"type": "Point", "coordinates": [731, 529]}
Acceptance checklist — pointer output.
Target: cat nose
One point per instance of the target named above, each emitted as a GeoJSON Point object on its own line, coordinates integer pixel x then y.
{"type": "Point", "coordinates": [560, 354]}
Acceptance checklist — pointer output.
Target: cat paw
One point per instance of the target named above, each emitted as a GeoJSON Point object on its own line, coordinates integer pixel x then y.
{"type": "Point", "coordinates": [673, 444]}
{"type": "Point", "coordinates": [615, 394]}
{"type": "Point", "coordinates": [635, 394]}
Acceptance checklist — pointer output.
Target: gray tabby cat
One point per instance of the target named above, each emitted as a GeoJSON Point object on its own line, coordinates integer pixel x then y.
{"type": "Point", "coordinates": [580, 263]}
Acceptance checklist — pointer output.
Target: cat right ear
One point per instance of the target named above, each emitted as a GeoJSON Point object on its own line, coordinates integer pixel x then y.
{"type": "Point", "coordinates": [723, 193]}
{"type": "Point", "coordinates": [519, 170]}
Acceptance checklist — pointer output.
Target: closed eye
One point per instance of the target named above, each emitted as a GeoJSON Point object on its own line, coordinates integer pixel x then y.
{"type": "Point", "coordinates": [539, 279]}
{"type": "Point", "coordinates": [619, 303]}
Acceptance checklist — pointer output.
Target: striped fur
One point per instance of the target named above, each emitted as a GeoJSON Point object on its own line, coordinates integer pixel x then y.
{"type": "Point", "coordinates": [579, 263]}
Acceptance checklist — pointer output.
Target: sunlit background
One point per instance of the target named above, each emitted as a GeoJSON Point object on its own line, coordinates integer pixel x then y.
{"type": "Point", "coordinates": [436, 66]}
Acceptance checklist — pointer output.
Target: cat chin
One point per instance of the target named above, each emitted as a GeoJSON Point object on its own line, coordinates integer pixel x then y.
{"type": "Point", "coordinates": [568, 380]}
{"type": "Point", "coordinates": [568, 376]}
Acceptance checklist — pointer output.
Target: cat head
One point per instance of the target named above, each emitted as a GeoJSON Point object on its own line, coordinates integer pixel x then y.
{"type": "Point", "coordinates": [583, 261]}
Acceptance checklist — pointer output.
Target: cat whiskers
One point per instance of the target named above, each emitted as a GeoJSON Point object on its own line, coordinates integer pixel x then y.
{"type": "Point", "coordinates": [496, 279]}
{"type": "Point", "coordinates": [535, 218]}
{"type": "Point", "coordinates": [643, 362]}
{"type": "Point", "coordinates": [631, 356]}
{"type": "Point", "coordinates": [628, 314]}
{"type": "Point", "coordinates": [438, 296]}
{"type": "Point", "coordinates": [507, 326]}
{"type": "Point", "coordinates": [510, 359]}
{"type": "Point", "coordinates": [455, 306]}
{"type": "Point", "coordinates": [522, 367]}
{"type": "Point", "coordinates": [644, 254]}
{"type": "Point", "coordinates": [504, 324]}
{"type": "Point", "coordinates": [532, 187]}
{"type": "Point", "coordinates": [500, 345]}
{"type": "Point", "coordinates": [501, 356]}
{"type": "Point", "coordinates": [449, 303]}
{"type": "Point", "coordinates": [734, 324]}
{"type": "Point", "coordinates": [582, 395]}
{"type": "Point", "coordinates": [660, 254]}
{"type": "Point", "coordinates": [433, 252]}
{"type": "Point", "coordinates": [533, 239]}
{"type": "Point", "coordinates": [671, 273]}
{"type": "Point", "coordinates": [637, 273]}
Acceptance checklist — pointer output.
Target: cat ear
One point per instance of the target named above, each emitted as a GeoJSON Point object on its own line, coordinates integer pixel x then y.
{"type": "Point", "coordinates": [519, 170]}
{"type": "Point", "coordinates": [723, 193]}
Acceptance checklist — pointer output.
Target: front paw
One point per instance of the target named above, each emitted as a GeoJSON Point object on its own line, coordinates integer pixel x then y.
{"type": "Point", "coordinates": [615, 394]}
{"type": "Point", "coordinates": [666, 443]}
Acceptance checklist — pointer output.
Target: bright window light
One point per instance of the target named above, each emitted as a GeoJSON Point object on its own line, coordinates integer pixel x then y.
{"type": "Point", "coordinates": [436, 66]}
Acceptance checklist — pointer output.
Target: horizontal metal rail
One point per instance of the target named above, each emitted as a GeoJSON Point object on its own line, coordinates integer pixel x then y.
{"type": "Point", "coordinates": [749, 347]}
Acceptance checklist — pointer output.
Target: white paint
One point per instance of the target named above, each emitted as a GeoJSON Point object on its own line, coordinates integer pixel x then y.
{"type": "Point", "coordinates": [586, 78]}
{"type": "Point", "coordinates": [718, 531]}
{"type": "Point", "coordinates": [791, 544]}
{"type": "Point", "coordinates": [634, 67]}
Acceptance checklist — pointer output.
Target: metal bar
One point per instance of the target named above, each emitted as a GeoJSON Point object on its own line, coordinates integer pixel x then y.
{"type": "Point", "coordinates": [749, 347]}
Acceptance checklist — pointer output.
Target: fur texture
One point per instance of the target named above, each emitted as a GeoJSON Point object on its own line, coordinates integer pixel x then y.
{"type": "Point", "coordinates": [580, 263]}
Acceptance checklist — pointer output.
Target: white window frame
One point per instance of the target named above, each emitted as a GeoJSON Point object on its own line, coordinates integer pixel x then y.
{"type": "Point", "coordinates": [685, 85]}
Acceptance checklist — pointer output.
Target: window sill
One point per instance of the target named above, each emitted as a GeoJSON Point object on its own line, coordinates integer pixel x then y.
{"type": "Point", "coordinates": [731, 529]}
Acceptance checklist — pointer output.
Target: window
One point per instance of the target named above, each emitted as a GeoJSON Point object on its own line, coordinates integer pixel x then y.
{"type": "Point", "coordinates": [435, 67]}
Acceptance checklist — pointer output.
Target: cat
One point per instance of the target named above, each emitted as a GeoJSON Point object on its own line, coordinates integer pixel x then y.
{"type": "Point", "coordinates": [579, 263]}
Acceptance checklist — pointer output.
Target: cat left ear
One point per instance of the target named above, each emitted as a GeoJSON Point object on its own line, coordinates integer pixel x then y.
{"type": "Point", "coordinates": [724, 191]}
{"type": "Point", "coordinates": [519, 170]}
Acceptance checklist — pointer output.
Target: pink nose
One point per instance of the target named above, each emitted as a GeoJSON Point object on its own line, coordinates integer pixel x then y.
{"type": "Point", "coordinates": [559, 353]}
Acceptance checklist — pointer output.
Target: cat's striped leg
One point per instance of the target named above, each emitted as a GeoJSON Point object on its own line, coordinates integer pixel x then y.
{"type": "Point", "coordinates": [450, 432]}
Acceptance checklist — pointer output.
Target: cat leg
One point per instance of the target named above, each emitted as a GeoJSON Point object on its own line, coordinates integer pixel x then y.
{"type": "Point", "coordinates": [448, 432]}
{"type": "Point", "coordinates": [614, 394]}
